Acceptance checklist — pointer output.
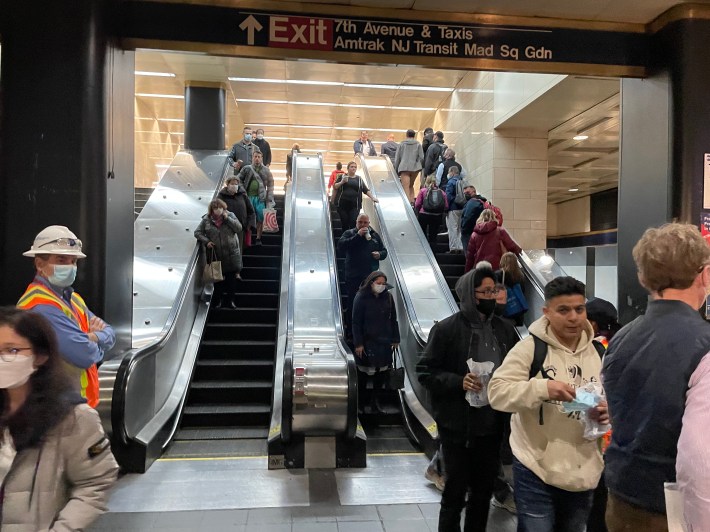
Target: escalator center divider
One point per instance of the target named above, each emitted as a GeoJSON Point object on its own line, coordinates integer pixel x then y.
{"type": "Point", "coordinates": [228, 408]}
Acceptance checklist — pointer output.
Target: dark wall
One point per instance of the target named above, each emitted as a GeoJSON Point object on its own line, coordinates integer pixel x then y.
{"type": "Point", "coordinates": [54, 169]}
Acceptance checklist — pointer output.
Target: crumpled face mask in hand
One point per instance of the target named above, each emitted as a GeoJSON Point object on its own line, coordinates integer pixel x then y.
{"type": "Point", "coordinates": [583, 401]}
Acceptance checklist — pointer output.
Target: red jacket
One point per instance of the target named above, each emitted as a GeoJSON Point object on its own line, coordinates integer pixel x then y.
{"type": "Point", "coordinates": [485, 244]}
{"type": "Point", "coordinates": [333, 176]}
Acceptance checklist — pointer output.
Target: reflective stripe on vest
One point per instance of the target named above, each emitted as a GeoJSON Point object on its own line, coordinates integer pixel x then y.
{"type": "Point", "coordinates": [38, 294]}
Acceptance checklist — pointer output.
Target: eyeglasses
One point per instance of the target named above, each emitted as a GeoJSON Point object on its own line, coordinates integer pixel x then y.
{"type": "Point", "coordinates": [66, 243]}
{"type": "Point", "coordinates": [9, 354]}
{"type": "Point", "coordinates": [488, 292]}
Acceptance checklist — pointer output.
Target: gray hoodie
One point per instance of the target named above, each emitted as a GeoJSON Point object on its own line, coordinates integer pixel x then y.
{"type": "Point", "coordinates": [409, 157]}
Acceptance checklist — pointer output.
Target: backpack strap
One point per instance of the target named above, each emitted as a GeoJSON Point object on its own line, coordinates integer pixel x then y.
{"type": "Point", "coordinates": [599, 347]}
{"type": "Point", "coordinates": [539, 355]}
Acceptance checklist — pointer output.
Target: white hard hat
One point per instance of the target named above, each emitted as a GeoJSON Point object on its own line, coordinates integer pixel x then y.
{"type": "Point", "coordinates": [55, 240]}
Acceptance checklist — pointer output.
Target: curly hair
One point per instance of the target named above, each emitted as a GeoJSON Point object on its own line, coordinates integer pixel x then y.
{"type": "Point", "coordinates": [670, 256]}
{"type": "Point", "coordinates": [49, 400]}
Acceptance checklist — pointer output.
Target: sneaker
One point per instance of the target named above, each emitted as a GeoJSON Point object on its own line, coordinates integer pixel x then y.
{"type": "Point", "coordinates": [433, 476]}
{"type": "Point", "coordinates": [508, 504]}
{"type": "Point", "coordinates": [257, 242]}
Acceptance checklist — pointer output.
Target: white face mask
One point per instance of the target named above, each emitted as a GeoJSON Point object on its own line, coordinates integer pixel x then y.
{"type": "Point", "coordinates": [218, 212]}
{"type": "Point", "coordinates": [259, 136]}
{"type": "Point", "coordinates": [378, 288]}
{"type": "Point", "coordinates": [16, 373]}
{"type": "Point", "coordinates": [232, 188]}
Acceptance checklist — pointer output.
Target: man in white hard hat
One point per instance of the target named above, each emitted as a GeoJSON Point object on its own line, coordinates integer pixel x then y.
{"type": "Point", "coordinates": [83, 337]}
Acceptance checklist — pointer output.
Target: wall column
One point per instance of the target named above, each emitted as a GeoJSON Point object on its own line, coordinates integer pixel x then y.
{"type": "Point", "coordinates": [67, 137]}
{"type": "Point", "coordinates": [205, 112]}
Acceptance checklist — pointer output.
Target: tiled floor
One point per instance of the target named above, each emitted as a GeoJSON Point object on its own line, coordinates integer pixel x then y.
{"type": "Point", "coordinates": [391, 494]}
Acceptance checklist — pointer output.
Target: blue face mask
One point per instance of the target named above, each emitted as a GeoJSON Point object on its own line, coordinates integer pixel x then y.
{"type": "Point", "coordinates": [247, 137]}
{"type": "Point", "coordinates": [64, 275]}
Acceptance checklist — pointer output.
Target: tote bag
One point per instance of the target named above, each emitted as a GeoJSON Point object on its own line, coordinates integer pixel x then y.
{"type": "Point", "coordinates": [516, 302]}
{"type": "Point", "coordinates": [270, 223]}
{"type": "Point", "coordinates": [213, 269]}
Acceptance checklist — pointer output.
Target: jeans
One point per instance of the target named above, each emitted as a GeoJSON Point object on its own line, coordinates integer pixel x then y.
{"type": "Point", "coordinates": [469, 470]}
{"type": "Point", "coordinates": [544, 508]}
{"type": "Point", "coordinates": [453, 226]}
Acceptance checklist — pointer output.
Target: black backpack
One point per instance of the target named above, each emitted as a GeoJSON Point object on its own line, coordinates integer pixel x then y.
{"type": "Point", "coordinates": [440, 158]}
{"type": "Point", "coordinates": [434, 201]}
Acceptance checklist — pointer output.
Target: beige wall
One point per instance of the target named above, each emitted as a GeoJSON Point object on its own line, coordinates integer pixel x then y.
{"type": "Point", "coordinates": [514, 91]}
{"type": "Point", "coordinates": [569, 218]}
{"type": "Point", "coordinates": [509, 167]}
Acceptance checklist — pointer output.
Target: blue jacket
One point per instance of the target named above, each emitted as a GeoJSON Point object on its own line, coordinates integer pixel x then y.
{"type": "Point", "coordinates": [471, 211]}
{"type": "Point", "coordinates": [646, 373]}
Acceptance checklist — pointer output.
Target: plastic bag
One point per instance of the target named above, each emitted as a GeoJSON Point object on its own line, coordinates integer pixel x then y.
{"type": "Point", "coordinates": [483, 370]}
{"type": "Point", "coordinates": [587, 398]}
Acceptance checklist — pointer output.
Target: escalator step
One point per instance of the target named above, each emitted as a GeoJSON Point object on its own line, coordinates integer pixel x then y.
{"type": "Point", "coordinates": [213, 385]}
{"type": "Point", "coordinates": [264, 250]}
{"type": "Point", "coordinates": [237, 351]}
{"type": "Point", "coordinates": [221, 433]}
{"type": "Point", "coordinates": [261, 273]}
{"type": "Point", "coordinates": [259, 286]}
{"type": "Point", "coordinates": [245, 332]}
{"type": "Point", "coordinates": [255, 315]}
{"type": "Point", "coordinates": [261, 261]}
{"type": "Point", "coordinates": [251, 299]}
{"type": "Point", "coordinates": [206, 410]}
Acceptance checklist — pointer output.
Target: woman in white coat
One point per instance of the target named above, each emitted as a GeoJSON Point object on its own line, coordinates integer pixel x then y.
{"type": "Point", "coordinates": [56, 464]}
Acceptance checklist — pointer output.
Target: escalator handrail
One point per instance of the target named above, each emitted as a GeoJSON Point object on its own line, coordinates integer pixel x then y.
{"type": "Point", "coordinates": [532, 274]}
{"type": "Point", "coordinates": [397, 267]}
{"type": "Point", "coordinates": [134, 356]}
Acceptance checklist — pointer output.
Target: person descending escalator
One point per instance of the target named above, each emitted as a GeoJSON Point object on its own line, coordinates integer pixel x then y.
{"type": "Point", "coordinates": [375, 336]}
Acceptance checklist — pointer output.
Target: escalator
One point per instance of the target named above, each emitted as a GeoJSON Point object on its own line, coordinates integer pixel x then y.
{"type": "Point", "coordinates": [385, 429]}
{"type": "Point", "coordinates": [228, 405]}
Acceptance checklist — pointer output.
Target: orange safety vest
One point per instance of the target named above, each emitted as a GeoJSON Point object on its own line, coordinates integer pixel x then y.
{"type": "Point", "coordinates": [38, 294]}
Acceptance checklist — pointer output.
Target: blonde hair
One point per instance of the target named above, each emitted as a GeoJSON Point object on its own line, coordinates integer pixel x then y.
{"type": "Point", "coordinates": [487, 216]}
{"type": "Point", "coordinates": [670, 256]}
{"type": "Point", "coordinates": [431, 180]}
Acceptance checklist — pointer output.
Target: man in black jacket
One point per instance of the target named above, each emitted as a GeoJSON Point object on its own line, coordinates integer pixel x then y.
{"type": "Point", "coordinates": [363, 250]}
{"type": "Point", "coordinates": [470, 437]}
{"type": "Point", "coordinates": [434, 154]}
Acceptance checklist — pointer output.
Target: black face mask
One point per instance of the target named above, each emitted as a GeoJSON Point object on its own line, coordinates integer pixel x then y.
{"type": "Point", "coordinates": [486, 306]}
{"type": "Point", "coordinates": [467, 195]}
{"type": "Point", "coordinates": [500, 309]}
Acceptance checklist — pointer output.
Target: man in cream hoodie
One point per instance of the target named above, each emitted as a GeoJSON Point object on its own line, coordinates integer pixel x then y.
{"type": "Point", "coordinates": [555, 468]}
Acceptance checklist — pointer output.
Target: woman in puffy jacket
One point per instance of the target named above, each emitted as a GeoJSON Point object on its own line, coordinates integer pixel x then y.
{"type": "Point", "coordinates": [56, 465]}
{"type": "Point", "coordinates": [218, 231]}
{"type": "Point", "coordinates": [488, 242]}
{"type": "Point", "coordinates": [375, 335]}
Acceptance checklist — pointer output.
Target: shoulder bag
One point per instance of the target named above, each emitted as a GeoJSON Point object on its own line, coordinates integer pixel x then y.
{"type": "Point", "coordinates": [213, 269]}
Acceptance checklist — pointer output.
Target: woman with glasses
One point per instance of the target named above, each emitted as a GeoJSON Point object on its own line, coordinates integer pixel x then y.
{"type": "Point", "coordinates": [218, 232]}
{"type": "Point", "coordinates": [349, 189]}
{"type": "Point", "coordinates": [489, 241]}
{"type": "Point", "coordinates": [56, 465]}
{"type": "Point", "coordinates": [470, 436]}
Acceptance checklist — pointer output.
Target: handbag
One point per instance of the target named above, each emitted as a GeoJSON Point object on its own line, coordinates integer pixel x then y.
{"type": "Point", "coordinates": [270, 223]}
{"type": "Point", "coordinates": [213, 269]}
{"type": "Point", "coordinates": [395, 377]}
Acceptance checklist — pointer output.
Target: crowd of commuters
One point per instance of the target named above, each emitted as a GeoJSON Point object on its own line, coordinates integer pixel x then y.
{"type": "Point", "coordinates": [603, 424]}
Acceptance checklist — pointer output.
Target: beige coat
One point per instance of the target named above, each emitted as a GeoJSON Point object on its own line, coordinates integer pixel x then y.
{"type": "Point", "coordinates": [63, 484]}
{"type": "Point", "coordinates": [555, 450]}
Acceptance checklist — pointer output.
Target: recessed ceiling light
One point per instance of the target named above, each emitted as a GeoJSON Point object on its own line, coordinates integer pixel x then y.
{"type": "Point", "coordinates": [341, 84]}
{"type": "Point", "coordinates": [151, 95]}
{"type": "Point", "coordinates": [156, 74]}
{"type": "Point", "coordinates": [573, 190]}
{"type": "Point", "coordinates": [580, 137]}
